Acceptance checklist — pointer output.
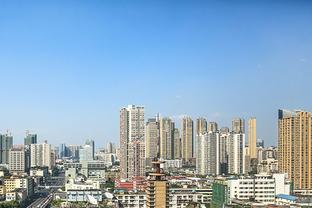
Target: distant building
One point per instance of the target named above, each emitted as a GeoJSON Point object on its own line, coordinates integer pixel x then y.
{"type": "Point", "coordinates": [30, 139]}
{"type": "Point", "coordinates": [238, 125]}
{"type": "Point", "coordinates": [166, 138]}
{"type": "Point", "coordinates": [201, 126]}
{"type": "Point", "coordinates": [187, 139]}
{"type": "Point", "coordinates": [151, 139]}
{"type": "Point", "coordinates": [132, 127]}
{"type": "Point", "coordinates": [86, 153]}
{"type": "Point", "coordinates": [252, 138]}
{"type": "Point", "coordinates": [6, 143]}
{"type": "Point", "coordinates": [212, 126]}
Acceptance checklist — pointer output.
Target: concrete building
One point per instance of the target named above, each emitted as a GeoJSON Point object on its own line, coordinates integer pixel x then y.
{"type": "Point", "coordinates": [187, 139]}
{"type": "Point", "coordinates": [252, 138]}
{"type": "Point", "coordinates": [73, 151]}
{"type": "Point", "coordinates": [176, 144]}
{"type": "Point", "coordinates": [41, 155]}
{"type": "Point", "coordinates": [151, 140]}
{"type": "Point", "coordinates": [86, 153]}
{"type": "Point", "coordinates": [207, 157]}
{"type": "Point", "coordinates": [157, 190]}
{"type": "Point", "coordinates": [136, 158]}
{"type": "Point", "coordinates": [295, 147]}
{"type": "Point", "coordinates": [17, 160]}
{"type": "Point", "coordinates": [212, 126]}
{"type": "Point", "coordinates": [84, 195]}
{"type": "Point", "coordinates": [201, 126]}
{"type": "Point", "coordinates": [258, 188]}
{"type": "Point", "coordinates": [132, 127]}
{"type": "Point", "coordinates": [30, 139]}
{"type": "Point", "coordinates": [166, 138]}
{"type": "Point", "coordinates": [235, 153]}
{"type": "Point", "coordinates": [238, 125]}
{"type": "Point", "coordinates": [6, 143]}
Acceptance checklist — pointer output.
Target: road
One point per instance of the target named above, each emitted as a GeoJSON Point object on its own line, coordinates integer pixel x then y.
{"type": "Point", "coordinates": [41, 202]}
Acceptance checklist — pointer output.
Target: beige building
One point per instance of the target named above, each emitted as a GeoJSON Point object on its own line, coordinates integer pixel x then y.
{"type": "Point", "coordinates": [252, 138]}
{"type": "Point", "coordinates": [201, 126]}
{"type": "Point", "coordinates": [295, 147]}
{"type": "Point", "coordinates": [17, 160]}
{"type": "Point", "coordinates": [41, 155]}
{"type": "Point", "coordinates": [132, 127]}
{"type": "Point", "coordinates": [187, 139]}
{"type": "Point", "coordinates": [176, 144]}
{"type": "Point", "coordinates": [136, 158]}
{"type": "Point", "coordinates": [157, 191]}
{"type": "Point", "coordinates": [151, 139]}
{"type": "Point", "coordinates": [212, 126]}
{"type": "Point", "coordinates": [166, 138]}
{"type": "Point", "coordinates": [238, 125]}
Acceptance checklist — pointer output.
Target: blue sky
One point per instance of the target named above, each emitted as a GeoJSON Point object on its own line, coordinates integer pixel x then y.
{"type": "Point", "coordinates": [67, 67]}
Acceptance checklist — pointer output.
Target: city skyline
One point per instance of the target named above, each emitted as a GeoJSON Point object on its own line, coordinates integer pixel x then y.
{"type": "Point", "coordinates": [67, 69]}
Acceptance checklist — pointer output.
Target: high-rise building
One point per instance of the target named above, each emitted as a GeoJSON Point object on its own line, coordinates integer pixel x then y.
{"type": "Point", "coordinates": [30, 139]}
{"type": "Point", "coordinates": [201, 126]}
{"type": "Point", "coordinates": [6, 143]}
{"type": "Point", "coordinates": [151, 140]}
{"type": "Point", "coordinates": [73, 151]}
{"type": "Point", "coordinates": [235, 153]}
{"type": "Point", "coordinates": [17, 159]}
{"type": "Point", "coordinates": [207, 155]}
{"type": "Point", "coordinates": [136, 158]}
{"type": "Point", "coordinates": [91, 143]}
{"type": "Point", "coordinates": [41, 155]}
{"type": "Point", "coordinates": [110, 147]}
{"type": "Point", "coordinates": [295, 147]}
{"type": "Point", "coordinates": [187, 139]}
{"type": "Point", "coordinates": [238, 125]}
{"type": "Point", "coordinates": [252, 138]}
{"type": "Point", "coordinates": [157, 190]}
{"type": "Point", "coordinates": [132, 127]}
{"type": "Point", "coordinates": [86, 153]}
{"type": "Point", "coordinates": [212, 126]}
{"type": "Point", "coordinates": [223, 151]}
{"type": "Point", "coordinates": [166, 138]}
{"type": "Point", "coordinates": [62, 151]}
{"type": "Point", "coordinates": [177, 144]}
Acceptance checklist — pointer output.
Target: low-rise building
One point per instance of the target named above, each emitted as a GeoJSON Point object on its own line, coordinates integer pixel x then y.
{"type": "Point", "coordinates": [19, 195]}
{"type": "Point", "coordinates": [84, 195]}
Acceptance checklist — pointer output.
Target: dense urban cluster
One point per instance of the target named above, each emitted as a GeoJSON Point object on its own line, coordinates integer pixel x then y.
{"type": "Point", "coordinates": [157, 164]}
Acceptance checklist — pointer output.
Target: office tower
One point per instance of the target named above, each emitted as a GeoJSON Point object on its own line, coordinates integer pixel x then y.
{"type": "Point", "coordinates": [136, 158]}
{"type": "Point", "coordinates": [207, 156]}
{"type": "Point", "coordinates": [131, 128]}
{"type": "Point", "coordinates": [151, 140]}
{"type": "Point", "coordinates": [6, 143]}
{"type": "Point", "coordinates": [91, 143]}
{"type": "Point", "coordinates": [201, 126]}
{"type": "Point", "coordinates": [212, 126]}
{"type": "Point", "coordinates": [86, 153]}
{"type": "Point", "coordinates": [235, 153]}
{"type": "Point", "coordinates": [62, 151]}
{"type": "Point", "coordinates": [252, 138]}
{"type": "Point", "coordinates": [238, 125]}
{"type": "Point", "coordinates": [73, 151]}
{"type": "Point", "coordinates": [109, 147]}
{"type": "Point", "coordinates": [17, 160]}
{"type": "Point", "coordinates": [157, 190]}
{"type": "Point", "coordinates": [41, 155]}
{"type": "Point", "coordinates": [166, 129]}
{"type": "Point", "coordinates": [177, 144]}
{"type": "Point", "coordinates": [294, 147]}
{"type": "Point", "coordinates": [30, 138]}
{"type": "Point", "coordinates": [187, 139]}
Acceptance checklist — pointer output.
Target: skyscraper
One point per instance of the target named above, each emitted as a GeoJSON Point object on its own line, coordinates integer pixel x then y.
{"type": "Point", "coordinates": [295, 147]}
{"type": "Point", "coordinates": [177, 144]}
{"type": "Point", "coordinates": [30, 139]}
{"type": "Point", "coordinates": [136, 158]}
{"type": "Point", "coordinates": [166, 138]}
{"type": "Point", "coordinates": [238, 125]}
{"type": "Point", "coordinates": [62, 151]}
{"type": "Point", "coordinates": [201, 126]}
{"type": "Point", "coordinates": [6, 143]}
{"type": "Point", "coordinates": [151, 140]}
{"type": "Point", "coordinates": [252, 138]}
{"type": "Point", "coordinates": [41, 155]}
{"type": "Point", "coordinates": [132, 127]}
{"type": "Point", "coordinates": [187, 139]}
{"type": "Point", "coordinates": [235, 152]}
{"type": "Point", "coordinates": [86, 153]}
{"type": "Point", "coordinates": [207, 155]}
{"type": "Point", "coordinates": [91, 143]}
{"type": "Point", "coordinates": [212, 126]}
